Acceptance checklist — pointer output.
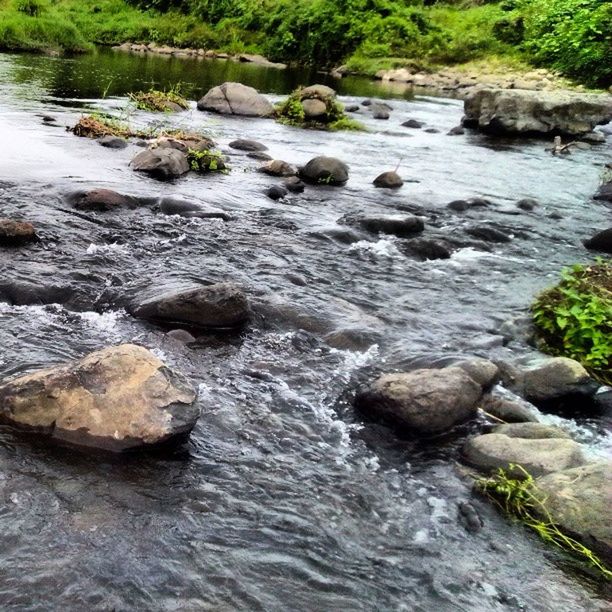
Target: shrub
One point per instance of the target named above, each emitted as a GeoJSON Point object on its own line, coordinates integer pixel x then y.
{"type": "Point", "coordinates": [206, 161]}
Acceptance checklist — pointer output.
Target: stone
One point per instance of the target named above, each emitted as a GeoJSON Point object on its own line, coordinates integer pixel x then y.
{"type": "Point", "coordinates": [413, 124]}
{"type": "Point", "coordinates": [521, 112]}
{"type": "Point", "coordinates": [100, 200]}
{"type": "Point", "coordinates": [379, 111]}
{"type": "Point", "coordinates": [490, 452]}
{"type": "Point", "coordinates": [456, 131]}
{"type": "Point", "coordinates": [601, 241]}
{"type": "Point", "coordinates": [260, 155]}
{"type": "Point", "coordinates": [604, 192]}
{"type": "Point", "coordinates": [16, 233]}
{"type": "Point", "coordinates": [594, 138]}
{"type": "Point", "coordinates": [427, 401]}
{"type": "Point", "coordinates": [388, 180]}
{"type": "Point", "coordinates": [578, 500]}
{"type": "Point", "coordinates": [277, 167]}
{"type": "Point", "coordinates": [182, 208]}
{"type": "Point", "coordinates": [236, 99]}
{"type": "Point", "coordinates": [351, 108]}
{"type": "Point", "coordinates": [112, 142]}
{"type": "Point", "coordinates": [463, 205]}
{"type": "Point", "coordinates": [121, 398]}
{"type": "Point", "coordinates": [531, 431]}
{"type": "Point", "coordinates": [508, 410]}
{"type": "Point", "coordinates": [187, 142]}
{"type": "Point", "coordinates": [161, 163]}
{"type": "Point", "coordinates": [314, 109]}
{"type": "Point", "coordinates": [181, 335]}
{"type": "Point", "coordinates": [425, 249]}
{"type": "Point", "coordinates": [294, 184]}
{"type": "Point", "coordinates": [318, 91]}
{"type": "Point", "coordinates": [527, 204]}
{"type": "Point", "coordinates": [276, 192]}
{"type": "Point", "coordinates": [397, 225]}
{"type": "Point", "coordinates": [247, 145]}
{"type": "Point", "coordinates": [483, 371]}
{"type": "Point", "coordinates": [487, 233]}
{"type": "Point", "coordinates": [219, 305]}
{"type": "Point", "coordinates": [432, 131]}
{"type": "Point", "coordinates": [325, 171]}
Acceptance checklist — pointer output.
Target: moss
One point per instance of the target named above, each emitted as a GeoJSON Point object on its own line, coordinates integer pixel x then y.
{"type": "Point", "coordinates": [159, 101]}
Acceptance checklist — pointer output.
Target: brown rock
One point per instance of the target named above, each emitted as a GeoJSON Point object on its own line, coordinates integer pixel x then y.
{"type": "Point", "coordinates": [16, 233]}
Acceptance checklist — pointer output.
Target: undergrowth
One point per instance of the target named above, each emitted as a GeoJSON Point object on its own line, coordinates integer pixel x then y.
{"type": "Point", "coordinates": [159, 101]}
{"type": "Point", "coordinates": [206, 161]}
{"type": "Point", "coordinates": [574, 318]}
{"type": "Point", "coordinates": [96, 126]}
{"type": "Point", "coordinates": [516, 497]}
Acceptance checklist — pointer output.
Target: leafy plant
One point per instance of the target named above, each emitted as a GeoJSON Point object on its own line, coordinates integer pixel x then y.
{"type": "Point", "coordinates": [513, 490]}
{"type": "Point", "coordinates": [206, 161]}
{"type": "Point", "coordinates": [574, 318]}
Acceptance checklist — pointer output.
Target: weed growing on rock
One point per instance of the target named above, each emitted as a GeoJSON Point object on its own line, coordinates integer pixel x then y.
{"type": "Point", "coordinates": [206, 161]}
{"type": "Point", "coordinates": [160, 101]}
{"type": "Point", "coordinates": [96, 126]}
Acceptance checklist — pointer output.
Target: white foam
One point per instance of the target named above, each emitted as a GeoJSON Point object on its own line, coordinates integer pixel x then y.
{"type": "Point", "coordinates": [94, 249]}
{"type": "Point", "coordinates": [380, 248]}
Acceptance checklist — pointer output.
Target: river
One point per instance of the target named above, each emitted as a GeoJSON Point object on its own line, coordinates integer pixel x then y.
{"type": "Point", "coordinates": [284, 498]}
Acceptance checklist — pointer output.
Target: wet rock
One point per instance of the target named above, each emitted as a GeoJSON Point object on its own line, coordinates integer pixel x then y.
{"type": "Point", "coordinates": [604, 192]}
{"type": "Point", "coordinates": [121, 398]}
{"type": "Point", "coordinates": [161, 163]}
{"type": "Point", "coordinates": [325, 171]}
{"type": "Point", "coordinates": [351, 108]}
{"type": "Point", "coordinates": [579, 501]}
{"type": "Point", "coordinates": [594, 138]}
{"type": "Point", "coordinates": [425, 401]}
{"type": "Point", "coordinates": [522, 112]}
{"type": "Point", "coordinates": [247, 145]}
{"type": "Point", "coordinates": [276, 192]}
{"type": "Point", "coordinates": [463, 205]}
{"type": "Point", "coordinates": [174, 206]}
{"type": "Point", "coordinates": [112, 142]}
{"type": "Point", "coordinates": [397, 225]}
{"type": "Point", "coordinates": [490, 452]}
{"type": "Point", "coordinates": [531, 431]}
{"type": "Point", "coordinates": [187, 142]}
{"type": "Point", "coordinates": [367, 102]}
{"type": "Point", "coordinates": [483, 371]}
{"type": "Point", "coordinates": [388, 180]}
{"type": "Point", "coordinates": [314, 109]}
{"type": "Point", "coordinates": [379, 111]}
{"type": "Point", "coordinates": [601, 241]}
{"type": "Point", "coordinates": [15, 233]}
{"type": "Point", "coordinates": [432, 131]}
{"type": "Point", "coordinates": [425, 249]}
{"type": "Point", "coordinates": [260, 155]}
{"type": "Point", "coordinates": [277, 167]}
{"type": "Point", "coordinates": [469, 517]}
{"type": "Point", "coordinates": [317, 91]}
{"type": "Point", "coordinates": [487, 233]}
{"type": "Point", "coordinates": [456, 131]}
{"type": "Point", "coordinates": [413, 123]}
{"type": "Point", "coordinates": [294, 184]}
{"type": "Point", "coordinates": [100, 200]}
{"type": "Point", "coordinates": [508, 410]}
{"type": "Point", "coordinates": [527, 204]}
{"type": "Point", "coordinates": [206, 306]}
{"type": "Point", "coordinates": [236, 99]}
{"type": "Point", "coordinates": [181, 335]}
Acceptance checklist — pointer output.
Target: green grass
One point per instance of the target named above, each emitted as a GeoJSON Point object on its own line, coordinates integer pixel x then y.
{"type": "Point", "coordinates": [159, 101]}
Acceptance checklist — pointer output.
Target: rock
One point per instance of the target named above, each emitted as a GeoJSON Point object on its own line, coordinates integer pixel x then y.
{"type": "Point", "coordinates": [366, 102]}
{"type": "Point", "coordinates": [120, 398]}
{"type": "Point", "coordinates": [181, 335]}
{"type": "Point", "coordinates": [260, 155]}
{"type": "Point", "coordinates": [100, 200]}
{"type": "Point", "coordinates": [579, 501]}
{"type": "Point", "coordinates": [398, 225]}
{"type": "Point", "coordinates": [604, 192]}
{"type": "Point", "coordinates": [276, 192]}
{"type": "Point", "coordinates": [294, 184]}
{"type": "Point", "coordinates": [508, 410]}
{"type": "Point", "coordinates": [314, 109]}
{"type": "Point", "coordinates": [426, 249]}
{"type": "Point", "coordinates": [379, 111]}
{"type": "Point", "coordinates": [527, 204]}
{"type": "Point", "coordinates": [236, 99]}
{"type": "Point", "coordinates": [16, 233]}
{"type": "Point", "coordinates": [325, 171]}
{"type": "Point", "coordinates": [490, 452]}
{"type": "Point", "coordinates": [472, 521]}
{"type": "Point", "coordinates": [488, 234]}
{"type": "Point", "coordinates": [521, 112]}
{"type": "Point", "coordinates": [531, 431]}
{"type": "Point", "coordinates": [277, 167]}
{"type": "Point", "coordinates": [555, 379]}
{"type": "Point", "coordinates": [112, 142]}
{"type": "Point", "coordinates": [161, 163]}
{"type": "Point", "coordinates": [483, 371]}
{"type": "Point", "coordinates": [206, 306]}
{"type": "Point", "coordinates": [388, 180]}
{"type": "Point", "coordinates": [174, 206]}
{"type": "Point", "coordinates": [601, 241]}
{"type": "Point", "coordinates": [196, 142]}
{"type": "Point", "coordinates": [432, 131]}
{"type": "Point", "coordinates": [351, 108]}
{"type": "Point", "coordinates": [456, 131]}
{"type": "Point", "coordinates": [320, 92]}
{"type": "Point", "coordinates": [413, 123]}
{"type": "Point", "coordinates": [463, 205]}
{"type": "Point", "coordinates": [594, 138]}
{"type": "Point", "coordinates": [425, 401]}
{"type": "Point", "coordinates": [247, 145]}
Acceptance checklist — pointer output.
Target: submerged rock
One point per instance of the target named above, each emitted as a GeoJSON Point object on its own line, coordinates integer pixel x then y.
{"type": "Point", "coordinates": [276, 192]}
{"type": "Point", "coordinates": [425, 249]}
{"type": "Point", "coordinates": [522, 112]}
{"type": "Point", "coordinates": [100, 200]}
{"type": "Point", "coordinates": [601, 241]}
{"type": "Point", "coordinates": [277, 167]}
{"type": "Point", "coordinates": [294, 184]}
{"type": "Point", "coordinates": [388, 180]}
{"type": "Point", "coordinates": [16, 233]}
{"type": "Point", "coordinates": [604, 192]}
{"type": "Point", "coordinates": [161, 163]}
{"type": "Point", "coordinates": [463, 205]}
{"type": "Point", "coordinates": [207, 306]}
{"type": "Point", "coordinates": [247, 145]}
{"type": "Point", "coordinates": [259, 155]}
{"type": "Point", "coordinates": [120, 398]}
{"type": "Point", "coordinates": [527, 204]}
{"type": "Point", "coordinates": [426, 401]}
{"type": "Point", "coordinates": [236, 99]}
{"type": "Point", "coordinates": [112, 142]}
{"type": "Point", "coordinates": [487, 233]}
{"type": "Point", "coordinates": [174, 206]}
{"type": "Point", "coordinates": [397, 225]}
{"type": "Point", "coordinates": [413, 123]}
{"type": "Point", "coordinates": [325, 171]}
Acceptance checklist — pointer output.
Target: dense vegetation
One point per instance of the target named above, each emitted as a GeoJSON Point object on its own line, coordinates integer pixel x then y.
{"type": "Point", "coordinates": [572, 36]}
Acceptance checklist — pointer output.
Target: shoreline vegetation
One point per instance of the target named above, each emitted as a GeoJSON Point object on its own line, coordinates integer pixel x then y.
{"type": "Point", "coordinates": [568, 38]}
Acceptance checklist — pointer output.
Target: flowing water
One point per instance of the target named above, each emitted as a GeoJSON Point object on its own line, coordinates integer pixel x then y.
{"type": "Point", "coordinates": [284, 498]}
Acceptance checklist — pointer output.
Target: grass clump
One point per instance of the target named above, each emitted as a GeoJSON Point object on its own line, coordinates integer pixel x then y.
{"type": "Point", "coordinates": [513, 490]}
{"type": "Point", "coordinates": [160, 101]}
{"type": "Point", "coordinates": [574, 318]}
{"type": "Point", "coordinates": [96, 126]}
{"type": "Point", "coordinates": [206, 161]}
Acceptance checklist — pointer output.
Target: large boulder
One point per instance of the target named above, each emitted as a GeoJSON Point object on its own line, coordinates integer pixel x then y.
{"type": "Point", "coordinates": [427, 401]}
{"type": "Point", "coordinates": [161, 163]}
{"type": "Point", "coordinates": [531, 431]}
{"type": "Point", "coordinates": [601, 241]}
{"type": "Point", "coordinates": [604, 192]}
{"type": "Point", "coordinates": [522, 112]}
{"type": "Point", "coordinates": [207, 306]}
{"type": "Point", "coordinates": [120, 398]}
{"type": "Point", "coordinates": [16, 233]}
{"type": "Point", "coordinates": [236, 99]}
{"type": "Point", "coordinates": [325, 171]}
{"type": "Point", "coordinates": [579, 501]}
{"type": "Point", "coordinates": [490, 452]}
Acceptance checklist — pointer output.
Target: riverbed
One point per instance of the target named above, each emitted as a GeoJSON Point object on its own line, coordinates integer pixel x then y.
{"type": "Point", "coordinates": [284, 498]}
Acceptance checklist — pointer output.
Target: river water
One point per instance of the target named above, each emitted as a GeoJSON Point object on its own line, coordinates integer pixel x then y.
{"type": "Point", "coordinates": [284, 498]}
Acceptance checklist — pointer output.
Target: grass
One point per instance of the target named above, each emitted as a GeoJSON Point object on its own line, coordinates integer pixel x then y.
{"type": "Point", "coordinates": [159, 101]}
{"type": "Point", "coordinates": [97, 126]}
{"type": "Point", "coordinates": [517, 497]}
{"type": "Point", "coordinates": [574, 318]}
